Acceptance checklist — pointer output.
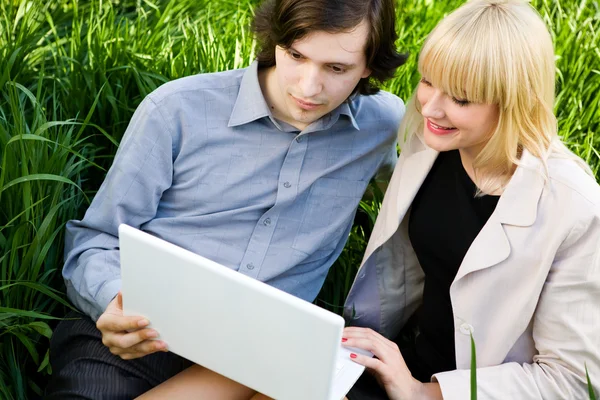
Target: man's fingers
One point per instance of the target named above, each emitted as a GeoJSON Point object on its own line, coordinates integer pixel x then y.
{"type": "Point", "coordinates": [119, 323]}
{"type": "Point", "coordinates": [120, 301]}
{"type": "Point", "coordinates": [139, 350]}
{"type": "Point", "coordinates": [131, 356]}
{"type": "Point", "coordinates": [127, 340]}
{"type": "Point", "coordinates": [149, 346]}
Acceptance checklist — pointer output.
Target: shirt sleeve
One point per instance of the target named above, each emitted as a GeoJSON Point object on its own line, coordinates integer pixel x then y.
{"type": "Point", "coordinates": [386, 168]}
{"type": "Point", "coordinates": [388, 164]}
{"type": "Point", "coordinates": [141, 171]}
{"type": "Point", "coordinates": [565, 333]}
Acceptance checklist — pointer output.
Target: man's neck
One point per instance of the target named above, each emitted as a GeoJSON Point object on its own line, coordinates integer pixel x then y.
{"type": "Point", "coordinates": [265, 80]}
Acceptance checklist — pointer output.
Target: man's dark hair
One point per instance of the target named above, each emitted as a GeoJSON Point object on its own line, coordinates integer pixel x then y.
{"type": "Point", "coordinates": [281, 22]}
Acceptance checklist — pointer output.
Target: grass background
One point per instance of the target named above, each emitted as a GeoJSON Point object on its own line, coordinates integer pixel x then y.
{"type": "Point", "coordinates": [71, 74]}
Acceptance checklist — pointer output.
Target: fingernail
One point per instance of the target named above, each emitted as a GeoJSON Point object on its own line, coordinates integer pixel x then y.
{"type": "Point", "coordinates": [152, 334]}
{"type": "Point", "coordinates": [344, 339]}
{"type": "Point", "coordinates": [352, 355]}
{"type": "Point", "coordinates": [143, 322]}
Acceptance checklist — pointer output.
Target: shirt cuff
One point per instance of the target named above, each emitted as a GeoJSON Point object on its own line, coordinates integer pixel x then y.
{"type": "Point", "coordinates": [455, 385]}
{"type": "Point", "coordinates": [106, 295]}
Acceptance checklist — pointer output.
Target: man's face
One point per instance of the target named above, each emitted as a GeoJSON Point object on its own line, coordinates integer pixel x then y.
{"type": "Point", "coordinates": [317, 74]}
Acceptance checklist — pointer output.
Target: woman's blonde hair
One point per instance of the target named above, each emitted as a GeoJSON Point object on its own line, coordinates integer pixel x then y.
{"type": "Point", "coordinates": [496, 52]}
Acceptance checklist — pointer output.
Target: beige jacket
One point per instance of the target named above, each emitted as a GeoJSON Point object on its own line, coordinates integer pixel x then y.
{"type": "Point", "coordinates": [528, 288]}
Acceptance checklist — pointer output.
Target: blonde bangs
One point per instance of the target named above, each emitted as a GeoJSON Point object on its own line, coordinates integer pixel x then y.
{"type": "Point", "coordinates": [461, 57]}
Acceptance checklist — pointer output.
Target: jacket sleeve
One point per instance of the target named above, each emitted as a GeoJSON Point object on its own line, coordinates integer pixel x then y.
{"type": "Point", "coordinates": [142, 170]}
{"type": "Point", "coordinates": [566, 332]}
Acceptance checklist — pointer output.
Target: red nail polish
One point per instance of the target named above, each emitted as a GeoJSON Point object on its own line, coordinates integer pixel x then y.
{"type": "Point", "coordinates": [344, 339]}
{"type": "Point", "coordinates": [352, 355]}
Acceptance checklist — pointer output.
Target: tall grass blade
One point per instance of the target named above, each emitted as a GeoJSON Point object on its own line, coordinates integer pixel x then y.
{"type": "Point", "coordinates": [590, 386]}
{"type": "Point", "coordinates": [473, 369]}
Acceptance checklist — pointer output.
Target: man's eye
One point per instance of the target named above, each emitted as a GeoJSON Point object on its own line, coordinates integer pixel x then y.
{"type": "Point", "coordinates": [295, 56]}
{"type": "Point", "coordinates": [337, 70]}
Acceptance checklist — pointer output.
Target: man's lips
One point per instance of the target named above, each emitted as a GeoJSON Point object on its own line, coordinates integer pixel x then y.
{"type": "Point", "coordinates": [306, 105]}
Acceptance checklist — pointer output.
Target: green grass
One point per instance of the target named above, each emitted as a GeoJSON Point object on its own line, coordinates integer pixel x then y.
{"type": "Point", "coordinates": [590, 386]}
{"type": "Point", "coordinates": [71, 75]}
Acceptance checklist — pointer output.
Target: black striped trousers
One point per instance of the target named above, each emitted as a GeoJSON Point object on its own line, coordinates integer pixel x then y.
{"type": "Point", "coordinates": [83, 368]}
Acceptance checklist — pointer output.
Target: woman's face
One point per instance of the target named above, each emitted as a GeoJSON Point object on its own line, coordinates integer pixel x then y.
{"type": "Point", "coordinates": [452, 123]}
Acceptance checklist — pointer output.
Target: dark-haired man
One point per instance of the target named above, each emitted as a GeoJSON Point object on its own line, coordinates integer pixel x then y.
{"type": "Point", "coordinates": [259, 169]}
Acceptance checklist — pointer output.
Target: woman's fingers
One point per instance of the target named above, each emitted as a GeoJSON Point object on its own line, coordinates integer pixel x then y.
{"type": "Point", "coordinates": [372, 363]}
{"type": "Point", "coordinates": [367, 339]}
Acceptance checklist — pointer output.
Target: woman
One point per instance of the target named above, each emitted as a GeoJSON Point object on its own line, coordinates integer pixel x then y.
{"type": "Point", "coordinates": [490, 228]}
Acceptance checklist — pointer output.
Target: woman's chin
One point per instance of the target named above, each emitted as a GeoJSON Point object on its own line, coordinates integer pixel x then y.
{"type": "Point", "coordinates": [439, 143]}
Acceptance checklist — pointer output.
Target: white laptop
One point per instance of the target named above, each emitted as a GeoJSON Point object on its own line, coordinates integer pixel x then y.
{"type": "Point", "coordinates": [246, 330]}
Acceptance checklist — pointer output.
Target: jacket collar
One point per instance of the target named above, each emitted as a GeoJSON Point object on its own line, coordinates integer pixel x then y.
{"type": "Point", "coordinates": [519, 202]}
{"type": "Point", "coordinates": [517, 205]}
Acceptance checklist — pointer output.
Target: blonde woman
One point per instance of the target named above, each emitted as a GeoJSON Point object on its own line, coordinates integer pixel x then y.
{"type": "Point", "coordinates": [490, 227]}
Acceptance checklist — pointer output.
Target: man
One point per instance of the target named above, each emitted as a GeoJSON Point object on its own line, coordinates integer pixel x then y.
{"type": "Point", "coordinates": [259, 169]}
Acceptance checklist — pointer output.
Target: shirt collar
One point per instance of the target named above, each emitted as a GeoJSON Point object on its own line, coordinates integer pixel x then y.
{"type": "Point", "coordinates": [250, 104]}
{"type": "Point", "coordinates": [345, 109]}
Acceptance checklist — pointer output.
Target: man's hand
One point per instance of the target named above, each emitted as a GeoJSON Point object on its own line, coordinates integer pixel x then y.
{"type": "Point", "coordinates": [124, 336]}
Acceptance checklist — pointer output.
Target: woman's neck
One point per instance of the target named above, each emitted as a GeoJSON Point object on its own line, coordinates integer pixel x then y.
{"type": "Point", "coordinates": [467, 157]}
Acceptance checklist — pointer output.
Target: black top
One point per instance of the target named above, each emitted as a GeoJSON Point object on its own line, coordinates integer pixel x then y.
{"type": "Point", "coordinates": [444, 220]}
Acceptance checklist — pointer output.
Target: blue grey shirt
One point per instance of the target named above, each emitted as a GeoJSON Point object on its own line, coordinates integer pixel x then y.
{"type": "Point", "coordinates": [204, 165]}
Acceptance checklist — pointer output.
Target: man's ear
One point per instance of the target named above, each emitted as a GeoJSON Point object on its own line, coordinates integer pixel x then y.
{"type": "Point", "coordinates": [366, 73]}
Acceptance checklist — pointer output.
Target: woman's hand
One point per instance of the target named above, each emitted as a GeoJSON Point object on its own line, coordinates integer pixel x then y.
{"type": "Point", "coordinates": [388, 364]}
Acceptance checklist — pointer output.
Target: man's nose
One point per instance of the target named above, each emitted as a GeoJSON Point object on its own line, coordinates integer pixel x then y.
{"type": "Point", "coordinates": [310, 83]}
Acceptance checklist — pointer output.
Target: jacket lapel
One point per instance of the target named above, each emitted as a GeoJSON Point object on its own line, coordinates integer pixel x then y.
{"type": "Point", "coordinates": [517, 206]}
{"type": "Point", "coordinates": [415, 163]}
{"type": "Point", "coordinates": [366, 304]}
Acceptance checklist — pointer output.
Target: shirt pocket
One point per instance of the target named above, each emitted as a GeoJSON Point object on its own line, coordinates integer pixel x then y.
{"type": "Point", "coordinates": [328, 211]}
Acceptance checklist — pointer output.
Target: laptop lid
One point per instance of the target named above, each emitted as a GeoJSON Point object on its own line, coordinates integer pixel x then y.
{"type": "Point", "coordinates": [241, 328]}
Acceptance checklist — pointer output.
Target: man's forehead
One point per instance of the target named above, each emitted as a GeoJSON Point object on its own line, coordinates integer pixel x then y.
{"type": "Point", "coordinates": [335, 46]}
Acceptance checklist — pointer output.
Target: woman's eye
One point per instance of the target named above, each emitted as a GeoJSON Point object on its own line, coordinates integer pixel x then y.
{"type": "Point", "coordinates": [337, 70]}
{"type": "Point", "coordinates": [425, 82]}
{"type": "Point", "coordinates": [295, 56]}
{"type": "Point", "coordinates": [460, 102]}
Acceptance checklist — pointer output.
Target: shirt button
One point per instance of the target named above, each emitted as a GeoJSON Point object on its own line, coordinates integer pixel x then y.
{"type": "Point", "coordinates": [298, 139]}
{"type": "Point", "coordinates": [287, 185]}
{"type": "Point", "coordinates": [250, 266]}
{"type": "Point", "coordinates": [466, 329]}
{"type": "Point", "coordinates": [267, 222]}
